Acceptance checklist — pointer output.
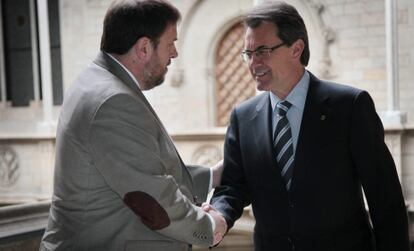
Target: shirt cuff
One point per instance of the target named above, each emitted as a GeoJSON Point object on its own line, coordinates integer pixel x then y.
{"type": "Point", "coordinates": [210, 185]}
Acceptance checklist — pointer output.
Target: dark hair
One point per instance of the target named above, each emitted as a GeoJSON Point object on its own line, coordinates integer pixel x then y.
{"type": "Point", "coordinates": [126, 21]}
{"type": "Point", "coordinates": [289, 23]}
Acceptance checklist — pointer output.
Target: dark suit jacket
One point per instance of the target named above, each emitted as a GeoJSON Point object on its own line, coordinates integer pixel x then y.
{"type": "Point", "coordinates": [339, 150]}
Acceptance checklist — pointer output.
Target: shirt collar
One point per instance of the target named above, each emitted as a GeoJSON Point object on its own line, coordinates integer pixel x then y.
{"type": "Point", "coordinates": [129, 73]}
{"type": "Point", "coordinates": [297, 96]}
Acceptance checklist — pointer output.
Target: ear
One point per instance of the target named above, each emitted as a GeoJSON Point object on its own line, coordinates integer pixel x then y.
{"type": "Point", "coordinates": [297, 48]}
{"type": "Point", "coordinates": [143, 49]}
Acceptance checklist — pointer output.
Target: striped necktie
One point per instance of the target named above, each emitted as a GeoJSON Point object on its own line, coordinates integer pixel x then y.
{"type": "Point", "coordinates": [283, 143]}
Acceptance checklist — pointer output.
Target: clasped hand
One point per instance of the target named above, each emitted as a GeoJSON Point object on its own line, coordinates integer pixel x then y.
{"type": "Point", "coordinates": [221, 225]}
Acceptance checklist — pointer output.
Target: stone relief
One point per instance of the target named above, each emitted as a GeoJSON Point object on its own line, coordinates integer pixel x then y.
{"type": "Point", "coordinates": [9, 166]}
{"type": "Point", "coordinates": [325, 63]}
{"type": "Point", "coordinates": [177, 77]}
{"type": "Point", "coordinates": [207, 155]}
{"type": "Point", "coordinates": [393, 142]}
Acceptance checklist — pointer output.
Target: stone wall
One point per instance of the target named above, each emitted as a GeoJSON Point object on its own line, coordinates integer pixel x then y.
{"type": "Point", "coordinates": [27, 164]}
{"type": "Point", "coordinates": [358, 53]}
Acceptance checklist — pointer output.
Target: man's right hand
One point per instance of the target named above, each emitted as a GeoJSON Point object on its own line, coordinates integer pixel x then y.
{"type": "Point", "coordinates": [221, 224]}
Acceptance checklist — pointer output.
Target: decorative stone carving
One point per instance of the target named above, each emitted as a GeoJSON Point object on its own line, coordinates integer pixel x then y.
{"type": "Point", "coordinates": [393, 141]}
{"type": "Point", "coordinates": [9, 167]}
{"type": "Point", "coordinates": [177, 77]}
{"type": "Point", "coordinates": [207, 155]}
{"type": "Point", "coordinates": [328, 34]}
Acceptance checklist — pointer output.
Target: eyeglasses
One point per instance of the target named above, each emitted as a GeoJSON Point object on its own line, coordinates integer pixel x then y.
{"type": "Point", "coordinates": [260, 52]}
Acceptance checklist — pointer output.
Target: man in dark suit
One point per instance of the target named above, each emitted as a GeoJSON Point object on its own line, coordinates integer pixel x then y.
{"type": "Point", "coordinates": [303, 152]}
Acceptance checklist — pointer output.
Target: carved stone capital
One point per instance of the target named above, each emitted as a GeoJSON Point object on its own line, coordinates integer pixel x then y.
{"type": "Point", "coordinates": [177, 77]}
{"type": "Point", "coordinates": [206, 155]}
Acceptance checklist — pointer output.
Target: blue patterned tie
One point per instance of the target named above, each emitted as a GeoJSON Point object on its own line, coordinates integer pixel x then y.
{"type": "Point", "coordinates": [283, 143]}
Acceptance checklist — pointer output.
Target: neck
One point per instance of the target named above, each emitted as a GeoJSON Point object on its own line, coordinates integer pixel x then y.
{"type": "Point", "coordinates": [131, 64]}
{"type": "Point", "coordinates": [296, 74]}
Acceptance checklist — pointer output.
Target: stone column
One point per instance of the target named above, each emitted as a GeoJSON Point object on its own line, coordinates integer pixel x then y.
{"type": "Point", "coordinates": [393, 116]}
{"type": "Point", "coordinates": [45, 61]}
{"type": "Point", "coordinates": [2, 69]}
{"type": "Point", "coordinates": [35, 51]}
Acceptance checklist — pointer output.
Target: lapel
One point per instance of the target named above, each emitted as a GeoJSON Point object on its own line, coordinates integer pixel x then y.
{"type": "Point", "coordinates": [106, 62]}
{"type": "Point", "coordinates": [316, 111]}
{"type": "Point", "coordinates": [261, 122]}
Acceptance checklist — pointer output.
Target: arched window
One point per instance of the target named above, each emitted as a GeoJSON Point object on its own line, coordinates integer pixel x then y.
{"type": "Point", "coordinates": [234, 83]}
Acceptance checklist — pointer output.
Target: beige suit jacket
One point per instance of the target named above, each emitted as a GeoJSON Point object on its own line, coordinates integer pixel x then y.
{"type": "Point", "coordinates": [110, 148]}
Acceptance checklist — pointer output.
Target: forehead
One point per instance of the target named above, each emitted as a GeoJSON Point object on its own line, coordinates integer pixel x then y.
{"type": "Point", "coordinates": [264, 34]}
{"type": "Point", "coordinates": [170, 33]}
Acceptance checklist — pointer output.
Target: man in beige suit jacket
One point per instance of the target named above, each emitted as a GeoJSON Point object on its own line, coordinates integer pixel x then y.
{"type": "Point", "coordinates": [119, 182]}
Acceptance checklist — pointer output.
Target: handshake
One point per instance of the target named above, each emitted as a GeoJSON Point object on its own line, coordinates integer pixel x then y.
{"type": "Point", "coordinates": [220, 224]}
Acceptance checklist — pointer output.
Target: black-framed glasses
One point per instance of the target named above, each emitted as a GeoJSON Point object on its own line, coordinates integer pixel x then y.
{"type": "Point", "coordinates": [260, 52]}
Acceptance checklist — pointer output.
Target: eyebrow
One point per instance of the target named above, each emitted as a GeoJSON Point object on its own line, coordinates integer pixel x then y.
{"type": "Point", "coordinates": [262, 47]}
{"type": "Point", "coordinates": [259, 48]}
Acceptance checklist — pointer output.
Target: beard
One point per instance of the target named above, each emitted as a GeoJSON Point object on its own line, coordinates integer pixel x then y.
{"type": "Point", "coordinates": [154, 72]}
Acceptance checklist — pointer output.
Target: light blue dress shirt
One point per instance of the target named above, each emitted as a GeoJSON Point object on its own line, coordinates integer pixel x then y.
{"type": "Point", "coordinates": [297, 97]}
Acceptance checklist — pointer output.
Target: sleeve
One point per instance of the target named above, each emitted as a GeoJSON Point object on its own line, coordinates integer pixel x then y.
{"type": "Point", "coordinates": [378, 176]}
{"type": "Point", "coordinates": [202, 178]}
{"type": "Point", "coordinates": [232, 195]}
{"type": "Point", "coordinates": [124, 143]}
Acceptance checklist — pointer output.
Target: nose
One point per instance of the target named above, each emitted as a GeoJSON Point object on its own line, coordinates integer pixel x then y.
{"type": "Point", "coordinates": [254, 60]}
{"type": "Point", "coordinates": [174, 53]}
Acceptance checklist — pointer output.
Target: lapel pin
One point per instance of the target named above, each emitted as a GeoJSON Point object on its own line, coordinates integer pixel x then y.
{"type": "Point", "coordinates": [323, 117]}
